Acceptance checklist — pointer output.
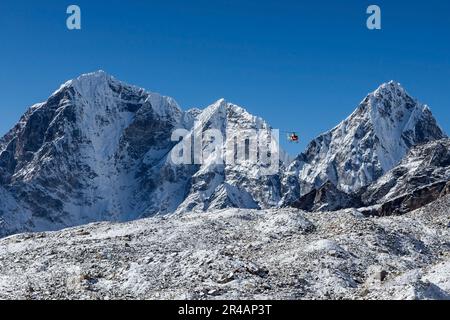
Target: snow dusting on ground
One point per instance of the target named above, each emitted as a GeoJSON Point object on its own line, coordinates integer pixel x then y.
{"type": "Point", "coordinates": [237, 254]}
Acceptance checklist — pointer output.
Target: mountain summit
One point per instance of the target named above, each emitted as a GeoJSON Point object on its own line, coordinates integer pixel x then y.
{"type": "Point", "coordinates": [371, 141]}
{"type": "Point", "coordinates": [75, 157]}
{"type": "Point", "coordinates": [100, 149]}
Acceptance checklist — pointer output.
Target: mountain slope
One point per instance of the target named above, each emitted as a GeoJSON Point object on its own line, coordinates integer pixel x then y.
{"type": "Point", "coordinates": [363, 147]}
{"type": "Point", "coordinates": [74, 158]}
{"type": "Point", "coordinates": [420, 178]}
{"type": "Point", "coordinates": [240, 183]}
{"type": "Point", "coordinates": [100, 149]}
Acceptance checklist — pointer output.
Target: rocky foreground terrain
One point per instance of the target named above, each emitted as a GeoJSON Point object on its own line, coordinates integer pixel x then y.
{"type": "Point", "coordinates": [237, 254]}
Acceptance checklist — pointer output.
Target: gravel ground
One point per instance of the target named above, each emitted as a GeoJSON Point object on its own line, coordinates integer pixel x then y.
{"type": "Point", "coordinates": [237, 254]}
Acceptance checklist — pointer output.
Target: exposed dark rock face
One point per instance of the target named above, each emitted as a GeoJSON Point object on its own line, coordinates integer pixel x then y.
{"type": "Point", "coordinates": [422, 177]}
{"type": "Point", "coordinates": [446, 190]}
{"type": "Point", "coordinates": [327, 198]}
{"type": "Point", "coordinates": [413, 200]}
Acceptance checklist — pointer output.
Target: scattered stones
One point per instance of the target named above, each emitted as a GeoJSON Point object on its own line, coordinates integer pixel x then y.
{"type": "Point", "coordinates": [227, 278]}
{"type": "Point", "coordinates": [82, 233]}
{"type": "Point", "coordinates": [213, 292]}
{"type": "Point", "coordinates": [343, 257]}
{"type": "Point", "coordinates": [256, 270]}
{"type": "Point", "coordinates": [381, 275]}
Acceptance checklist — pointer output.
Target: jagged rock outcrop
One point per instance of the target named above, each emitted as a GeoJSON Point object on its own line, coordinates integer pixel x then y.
{"type": "Point", "coordinates": [327, 198]}
{"type": "Point", "coordinates": [421, 177]}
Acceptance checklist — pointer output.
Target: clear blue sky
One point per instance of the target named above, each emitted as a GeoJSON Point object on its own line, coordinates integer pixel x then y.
{"type": "Point", "coordinates": [302, 65]}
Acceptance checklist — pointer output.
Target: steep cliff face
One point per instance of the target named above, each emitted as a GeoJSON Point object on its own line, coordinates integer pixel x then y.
{"type": "Point", "coordinates": [421, 177]}
{"type": "Point", "coordinates": [363, 147]}
{"type": "Point", "coordinates": [100, 149]}
{"type": "Point", "coordinates": [75, 158]}
{"type": "Point", "coordinates": [243, 182]}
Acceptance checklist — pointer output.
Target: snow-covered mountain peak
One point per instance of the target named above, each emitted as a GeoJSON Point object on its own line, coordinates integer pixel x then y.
{"type": "Point", "coordinates": [239, 183]}
{"type": "Point", "coordinates": [99, 75]}
{"type": "Point", "coordinates": [105, 91]}
{"type": "Point", "coordinates": [371, 141]}
{"type": "Point", "coordinates": [225, 115]}
{"type": "Point", "coordinates": [390, 87]}
{"type": "Point", "coordinates": [219, 106]}
{"type": "Point", "coordinates": [99, 149]}
{"type": "Point", "coordinates": [94, 79]}
{"type": "Point", "coordinates": [388, 99]}
{"type": "Point", "coordinates": [220, 102]}
{"type": "Point", "coordinates": [222, 105]}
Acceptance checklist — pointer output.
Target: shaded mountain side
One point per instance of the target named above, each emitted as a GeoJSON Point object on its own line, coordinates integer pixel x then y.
{"type": "Point", "coordinates": [370, 142]}
{"type": "Point", "coordinates": [422, 177]}
{"type": "Point", "coordinates": [100, 149]}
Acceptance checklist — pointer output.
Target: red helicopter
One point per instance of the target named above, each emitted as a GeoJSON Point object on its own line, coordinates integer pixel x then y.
{"type": "Point", "coordinates": [292, 137]}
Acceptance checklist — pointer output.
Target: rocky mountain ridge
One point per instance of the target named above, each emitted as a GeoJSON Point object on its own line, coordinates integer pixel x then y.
{"type": "Point", "coordinates": [99, 149]}
{"type": "Point", "coordinates": [370, 142]}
